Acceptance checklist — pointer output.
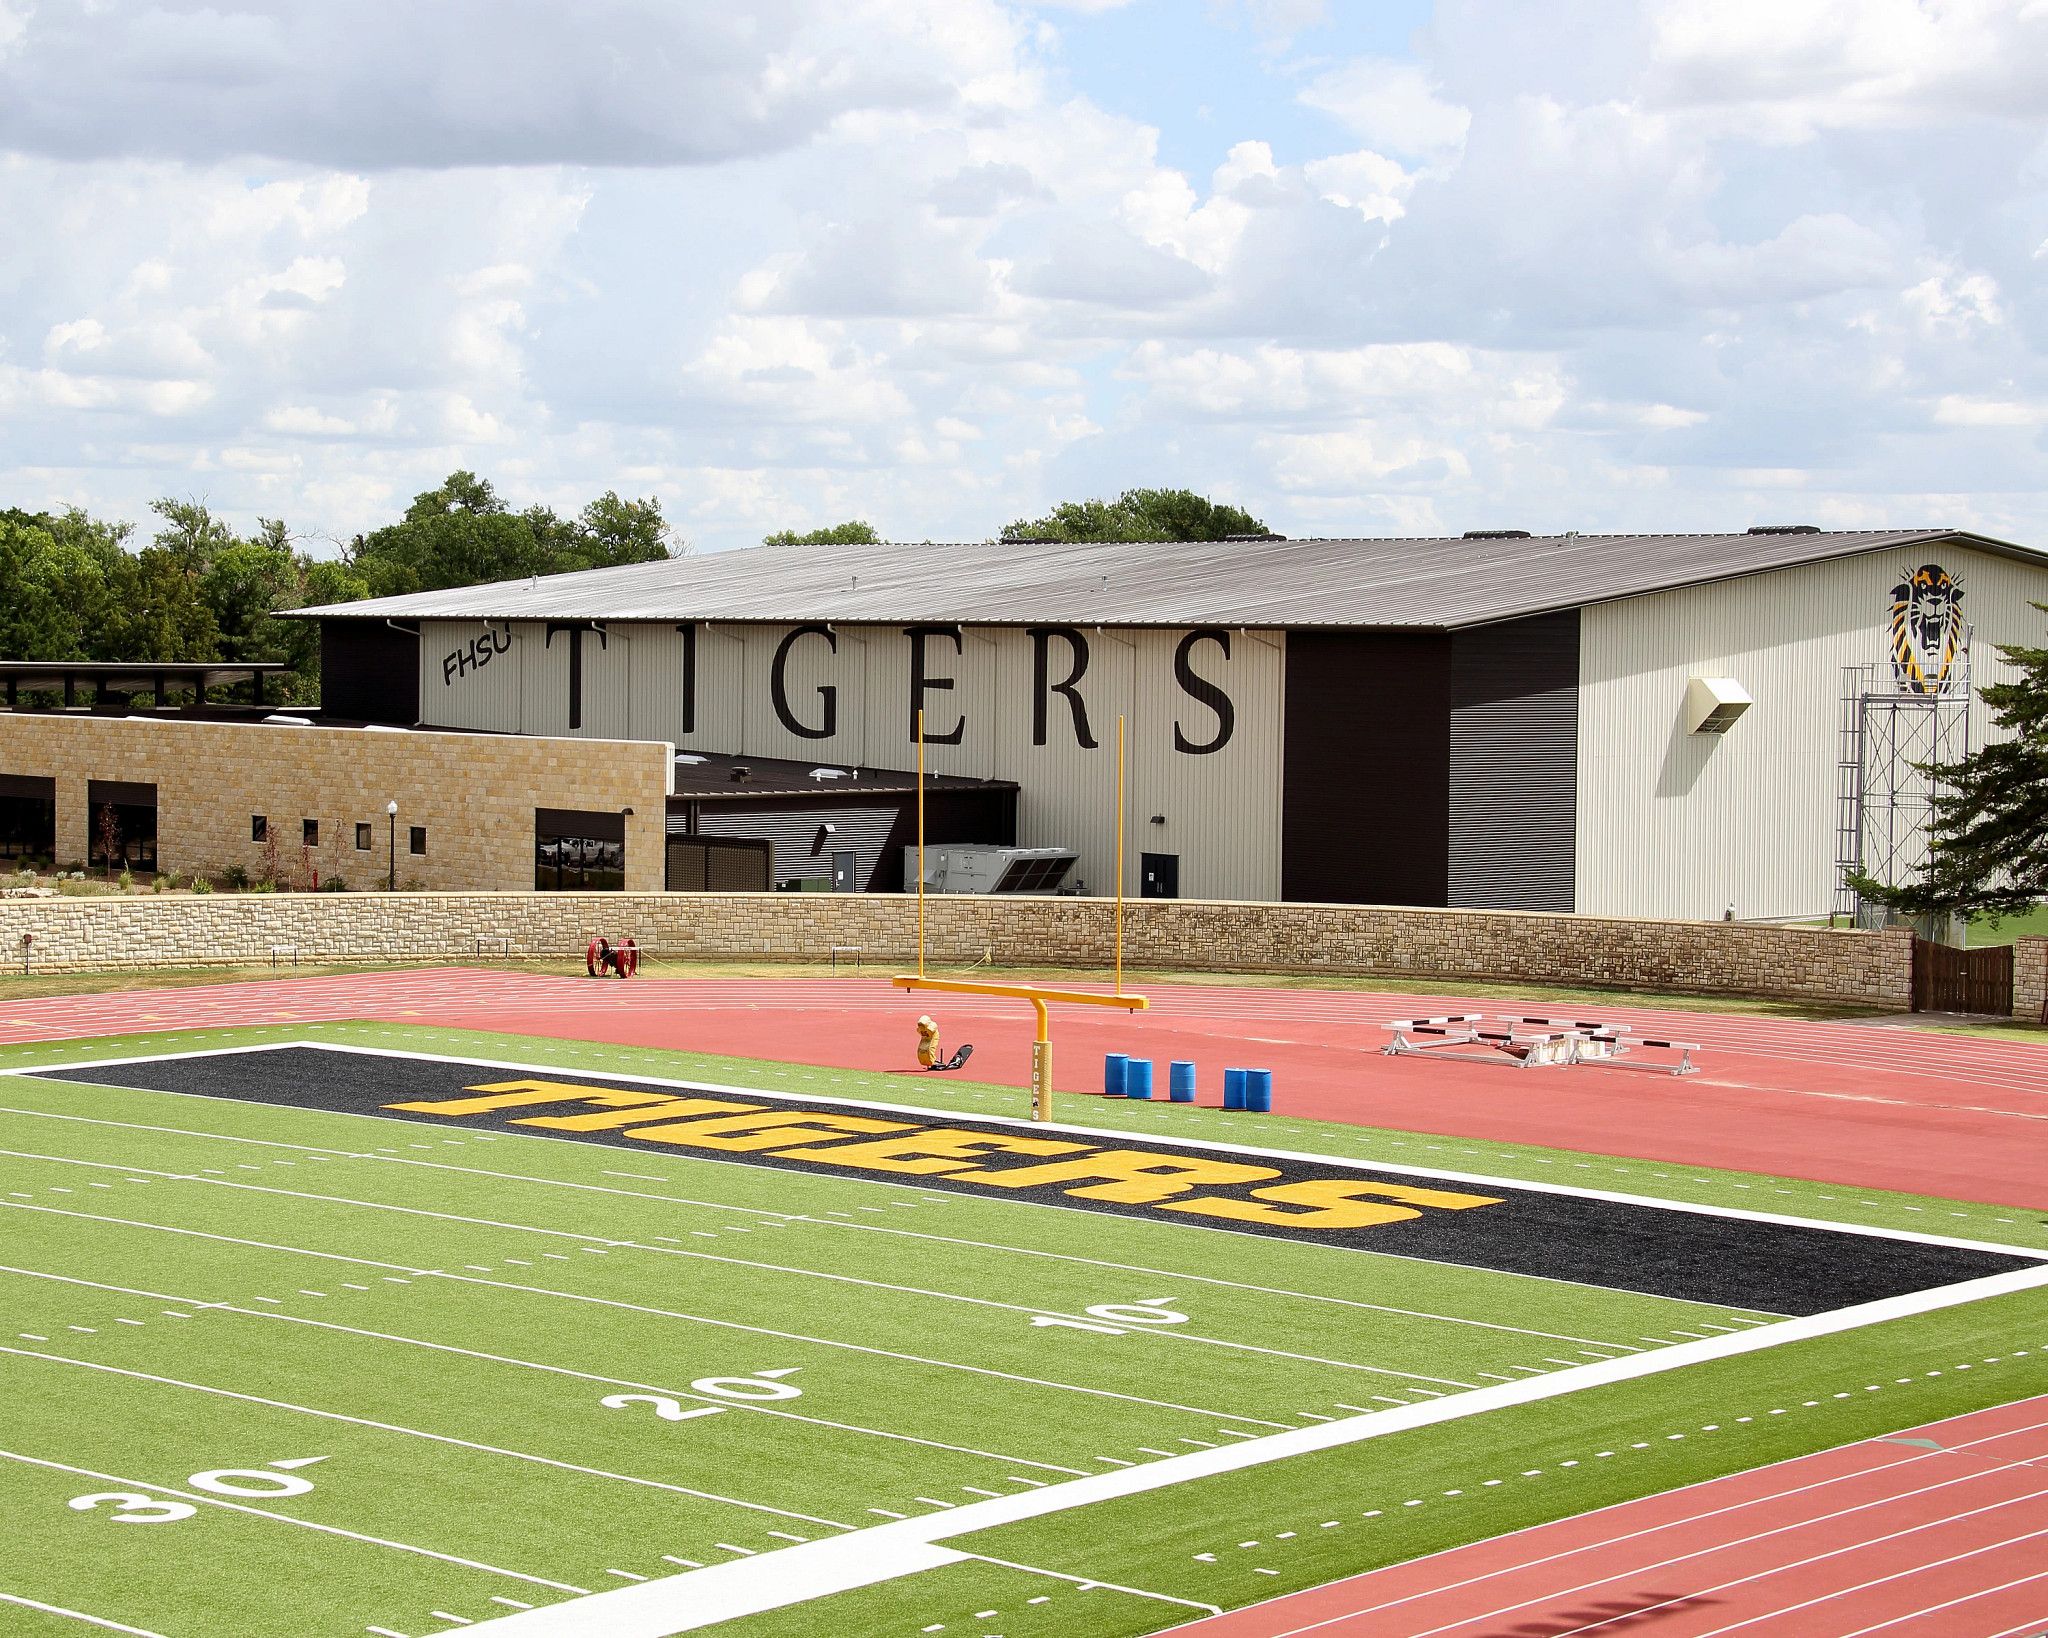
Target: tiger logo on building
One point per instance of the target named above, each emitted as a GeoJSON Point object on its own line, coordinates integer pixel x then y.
{"type": "Point", "coordinates": [1927, 629]}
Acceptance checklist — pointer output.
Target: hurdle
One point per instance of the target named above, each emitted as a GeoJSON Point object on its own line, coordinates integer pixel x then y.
{"type": "Point", "coordinates": [1530, 1042]}
{"type": "Point", "coordinates": [1511, 1048]}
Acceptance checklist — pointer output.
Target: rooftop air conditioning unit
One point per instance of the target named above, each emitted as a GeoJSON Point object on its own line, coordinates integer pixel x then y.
{"type": "Point", "coordinates": [1713, 703]}
{"type": "Point", "coordinates": [959, 868]}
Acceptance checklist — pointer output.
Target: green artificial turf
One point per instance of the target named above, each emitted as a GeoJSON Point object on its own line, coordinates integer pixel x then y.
{"type": "Point", "coordinates": [438, 1314]}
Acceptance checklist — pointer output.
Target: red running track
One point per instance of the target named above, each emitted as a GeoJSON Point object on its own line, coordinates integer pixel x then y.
{"type": "Point", "coordinates": [1908, 1539]}
{"type": "Point", "coordinates": [1858, 1105]}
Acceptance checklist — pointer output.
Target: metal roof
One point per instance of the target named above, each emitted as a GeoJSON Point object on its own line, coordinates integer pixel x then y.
{"type": "Point", "coordinates": [1434, 582]}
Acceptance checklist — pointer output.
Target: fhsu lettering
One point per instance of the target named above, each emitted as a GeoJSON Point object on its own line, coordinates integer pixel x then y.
{"type": "Point", "coordinates": [476, 654]}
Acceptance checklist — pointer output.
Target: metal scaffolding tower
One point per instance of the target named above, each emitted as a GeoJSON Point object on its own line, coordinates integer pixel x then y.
{"type": "Point", "coordinates": [1890, 733]}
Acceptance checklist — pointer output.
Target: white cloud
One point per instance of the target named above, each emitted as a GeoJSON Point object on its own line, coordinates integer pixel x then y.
{"type": "Point", "coordinates": [1660, 266]}
{"type": "Point", "coordinates": [1390, 105]}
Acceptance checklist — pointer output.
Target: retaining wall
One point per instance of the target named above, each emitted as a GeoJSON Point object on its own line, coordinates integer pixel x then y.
{"type": "Point", "coordinates": [1711, 958]}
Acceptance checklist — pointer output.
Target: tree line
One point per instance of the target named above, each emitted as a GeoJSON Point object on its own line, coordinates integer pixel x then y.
{"type": "Point", "coordinates": [76, 587]}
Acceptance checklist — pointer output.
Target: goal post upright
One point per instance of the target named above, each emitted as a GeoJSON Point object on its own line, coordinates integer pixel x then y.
{"type": "Point", "coordinates": [1041, 997]}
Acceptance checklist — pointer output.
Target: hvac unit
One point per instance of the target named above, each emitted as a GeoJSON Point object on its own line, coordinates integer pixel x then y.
{"type": "Point", "coordinates": [1713, 703]}
{"type": "Point", "coordinates": [959, 868]}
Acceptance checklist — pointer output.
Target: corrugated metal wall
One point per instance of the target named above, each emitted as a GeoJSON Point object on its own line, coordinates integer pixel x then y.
{"type": "Point", "coordinates": [1679, 824]}
{"type": "Point", "coordinates": [1217, 809]}
{"type": "Point", "coordinates": [1514, 730]}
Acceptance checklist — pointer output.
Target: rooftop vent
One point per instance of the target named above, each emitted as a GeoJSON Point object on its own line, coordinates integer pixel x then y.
{"type": "Point", "coordinates": [740, 774]}
{"type": "Point", "coordinates": [1498, 534]}
{"type": "Point", "coordinates": [1784, 529]}
{"type": "Point", "coordinates": [1267, 535]}
{"type": "Point", "coordinates": [828, 773]}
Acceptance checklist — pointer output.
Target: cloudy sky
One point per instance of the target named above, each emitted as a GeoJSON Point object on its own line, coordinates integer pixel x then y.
{"type": "Point", "coordinates": [1360, 266]}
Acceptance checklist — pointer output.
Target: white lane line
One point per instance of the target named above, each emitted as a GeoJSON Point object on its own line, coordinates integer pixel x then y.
{"type": "Point", "coordinates": [670, 1606]}
{"type": "Point", "coordinates": [1173, 1335]}
{"type": "Point", "coordinates": [420, 1433]}
{"type": "Point", "coordinates": [202, 1498]}
{"type": "Point", "coordinates": [816, 1221]}
{"type": "Point", "coordinates": [1896, 1575]}
{"type": "Point", "coordinates": [76, 1615]}
{"type": "Point", "coordinates": [561, 1370]}
{"type": "Point", "coordinates": [639, 1308]}
{"type": "Point", "coordinates": [2034, 1625]}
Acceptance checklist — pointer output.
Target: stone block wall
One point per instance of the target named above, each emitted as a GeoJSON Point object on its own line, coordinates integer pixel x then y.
{"type": "Point", "coordinates": [1442, 947]}
{"type": "Point", "coordinates": [2030, 980]}
{"type": "Point", "coordinates": [474, 793]}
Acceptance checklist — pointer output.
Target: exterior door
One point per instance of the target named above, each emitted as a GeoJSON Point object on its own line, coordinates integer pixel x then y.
{"type": "Point", "coordinates": [1159, 875]}
{"type": "Point", "coordinates": [846, 871]}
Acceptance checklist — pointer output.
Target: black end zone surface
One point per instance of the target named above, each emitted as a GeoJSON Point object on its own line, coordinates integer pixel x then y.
{"type": "Point", "coordinates": [1620, 1245]}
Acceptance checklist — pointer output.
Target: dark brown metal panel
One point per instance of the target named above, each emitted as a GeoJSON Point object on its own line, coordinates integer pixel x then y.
{"type": "Point", "coordinates": [34, 787]}
{"type": "Point", "coordinates": [1364, 812]}
{"type": "Point", "coordinates": [549, 823]}
{"type": "Point", "coordinates": [1514, 768]}
{"type": "Point", "coordinates": [369, 672]}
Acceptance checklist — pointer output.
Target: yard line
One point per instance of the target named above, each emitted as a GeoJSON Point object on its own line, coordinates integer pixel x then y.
{"type": "Point", "coordinates": [76, 1615]}
{"type": "Point", "coordinates": [419, 1433]}
{"type": "Point", "coordinates": [1173, 1335]}
{"type": "Point", "coordinates": [1091, 1581]}
{"type": "Point", "coordinates": [662, 1313]}
{"type": "Point", "coordinates": [564, 1370]}
{"type": "Point", "coordinates": [285, 1518]}
{"type": "Point", "coordinates": [820, 1221]}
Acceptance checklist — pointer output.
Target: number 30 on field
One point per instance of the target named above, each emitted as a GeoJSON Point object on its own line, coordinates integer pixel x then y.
{"type": "Point", "coordinates": [246, 1482]}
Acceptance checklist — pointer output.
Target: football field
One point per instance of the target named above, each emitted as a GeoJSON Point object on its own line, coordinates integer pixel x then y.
{"type": "Point", "coordinates": [306, 1335]}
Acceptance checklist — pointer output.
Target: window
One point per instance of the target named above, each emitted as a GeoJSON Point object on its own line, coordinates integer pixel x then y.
{"type": "Point", "coordinates": [576, 851]}
{"type": "Point", "coordinates": [365, 838]}
{"type": "Point", "coordinates": [309, 832]}
{"type": "Point", "coordinates": [417, 841]}
{"type": "Point", "coordinates": [259, 828]}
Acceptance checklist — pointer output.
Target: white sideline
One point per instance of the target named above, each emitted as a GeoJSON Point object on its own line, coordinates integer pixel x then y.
{"type": "Point", "coordinates": [794, 1575]}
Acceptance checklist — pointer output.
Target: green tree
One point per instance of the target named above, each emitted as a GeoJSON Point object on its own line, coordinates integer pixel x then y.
{"type": "Point", "coordinates": [192, 537]}
{"type": "Point", "coordinates": [853, 532]}
{"type": "Point", "coordinates": [462, 534]}
{"type": "Point", "coordinates": [1139, 514]}
{"type": "Point", "coordinates": [1988, 839]}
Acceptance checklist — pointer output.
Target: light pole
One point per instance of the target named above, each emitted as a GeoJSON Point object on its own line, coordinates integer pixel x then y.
{"type": "Point", "coordinates": [391, 816]}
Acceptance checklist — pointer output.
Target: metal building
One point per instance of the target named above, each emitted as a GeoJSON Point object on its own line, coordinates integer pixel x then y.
{"type": "Point", "coordinates": [1642, 725]}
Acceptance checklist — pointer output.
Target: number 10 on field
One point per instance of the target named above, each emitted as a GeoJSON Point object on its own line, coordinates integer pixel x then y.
{"type": "Point", "coordinates": [1146, 1311]}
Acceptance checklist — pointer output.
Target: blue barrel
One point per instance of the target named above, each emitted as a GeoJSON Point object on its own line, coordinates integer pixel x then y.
{"type": "Point", "coordinates": [1138, 1079]}
{"type": "Point", "coordinates": [1114, 1067]}
{"type": "Point", "coordinates": [1258, 1091]}
{"type": "Point", "coordinates": [1233, 1088]}
{"type": "Point", "coordinates": [1180, 1082]}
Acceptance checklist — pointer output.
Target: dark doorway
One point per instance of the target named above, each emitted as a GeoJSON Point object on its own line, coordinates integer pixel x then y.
{"type": "Point", "coordinates": [28, 819]}
{"type": "Point", "coordinates": [122, 812]}
{"type": "Point", "coordinates": [1159, 875]}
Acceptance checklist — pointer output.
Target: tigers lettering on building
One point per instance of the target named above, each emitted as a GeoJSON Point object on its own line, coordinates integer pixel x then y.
{"type": "Point", "coordinates": [1928, 636]}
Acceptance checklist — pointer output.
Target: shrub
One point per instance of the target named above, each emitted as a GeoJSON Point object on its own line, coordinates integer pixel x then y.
{"type": "Point", "coordinates": [127, 880]}
{"type": "Point", "coordinates": [160, 885]}
{"type": "Point", "coordinates": [263, 887]}
{"type": "Point", "coordinates": [412, 884]}
{"type": "Point", "coordinates": [76, 868]}
{"type": "Point", "coordinates": [334, 884]}
{"type": "Point", "coordinates": [201, 885]}
{"type": "Point", "coordinates": [235, 878]}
